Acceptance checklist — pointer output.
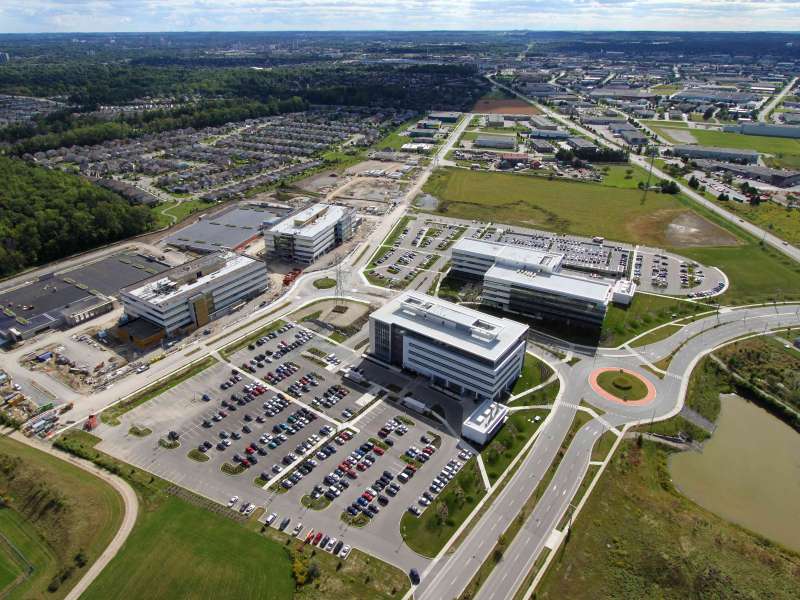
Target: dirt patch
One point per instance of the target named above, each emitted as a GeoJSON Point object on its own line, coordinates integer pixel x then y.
{"type": "Point", "coordinates": [326, 311]}
{"type": "Point", "coordinates": [690, 229]}
{"type": "Point", "coordinates": [505, 106]}
{"type": "Point", "coordinates": [679, 229]}
{"type": "Point", "coordinates": [319, 182]}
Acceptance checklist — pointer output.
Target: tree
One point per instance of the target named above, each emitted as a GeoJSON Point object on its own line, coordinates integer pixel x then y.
{"type": "Point", "coordinates": [693, 182]}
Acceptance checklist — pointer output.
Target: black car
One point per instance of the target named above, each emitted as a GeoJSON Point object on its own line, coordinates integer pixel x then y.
{"type": "Point", "coordinates": [413, 574]}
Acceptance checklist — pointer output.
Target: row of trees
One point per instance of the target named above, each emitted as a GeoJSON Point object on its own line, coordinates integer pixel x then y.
{"type": "Point", "coordinates": [46, 215]}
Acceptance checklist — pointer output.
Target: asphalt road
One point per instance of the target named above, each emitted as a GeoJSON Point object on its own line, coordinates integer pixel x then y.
{"type": "Point", "coordinates": [769, 106]}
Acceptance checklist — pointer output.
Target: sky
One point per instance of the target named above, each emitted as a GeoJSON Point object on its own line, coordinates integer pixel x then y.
{"type": "Point", "coordinates": [26, 16]}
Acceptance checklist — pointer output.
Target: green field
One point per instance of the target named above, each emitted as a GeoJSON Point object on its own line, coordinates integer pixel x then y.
{"type": "Point", "coordinates": [508, 442]}
{"type": "Point", "coordinates": [395, 141]}
{"type": "Point", "coordinates": [534, 372]}
{"type": "Point", "coordinates": [196, 554]}
{"type": "Point", "coordinates": [759, 143]}
{"type": "Point", "coordinates": [638, 538]}
{"type": "Point", "coordinates": [59, 516]}
{"type": "Point", "coordinates": [561, 206]}
{"type": "Point", "coordinates": [778, 220]}
{"type": "Point", "coordinates": [179, 210]}
{"type": "Point", "coordinates": [624, 176]}
{"type": "Point", "coordinates": [428, 533]}
{"type": "Point", "coordinates": [645, 312]}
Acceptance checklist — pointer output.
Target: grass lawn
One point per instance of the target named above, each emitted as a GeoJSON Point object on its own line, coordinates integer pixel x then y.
{"type": "Point", "coordinates": [561, 206]}
{"type": "Point", "coordinates": [624, 176]}
{"type": "Point", "coordinates": [428, 533]}
{"type": "Point", "coordinates": [655, 543]}
{"type": "Point", "coordinates": [324, 283]}
{"type": "Point", "coordinates": [667, 89]}
{"type": "Point", "coordinates": [778, 220]}
{"type": "Point", "coordinates": [196, 554]}
{"type": "Point", "coordinates": [56, 513]}
{"type": "Point", "coordinates": [508, 442]}
{"type": "Point", "coordinates": [623, 386]}
{"type": "Point", "coordinates": [659, 334]}
{"type": "Point", "coordinates": [783, 161]}
{"type": "Point", "coordinates": [534, 372]}
{"type": "Point", "coordinates": [179, 210]}
{"type": "Point", "coordinates": [395, 141]}
{"type": "Point", "coordinates": [545, 395]}
{"type": "Point", "coordinates": [111, 415]}
{"type": "Point", "coordinates": [645, 312]}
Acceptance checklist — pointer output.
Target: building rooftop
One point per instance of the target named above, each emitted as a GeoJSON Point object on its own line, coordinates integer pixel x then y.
{"type": "Point", "coordinates": [310, 221]}
{"type": "Point", "coordinates": [187, 278]}
{"type": "Point", "coordinates": [485, 417]}
{"type": "Point", "coordinates": [685, 147]}
{"type": "Point", "coordinates": [567, 285]}
{"type": "Point", "coordinates": [224, 231]}
{"type": "Point", "coordinates": [512, 255]}
{"type": "Point", "coordinates": [465, 328]}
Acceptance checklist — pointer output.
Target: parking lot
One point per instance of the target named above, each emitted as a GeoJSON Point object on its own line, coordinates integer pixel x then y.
{"type": "Point", "coordinates": [276, 436]}
{"type": "Point", "coordinates": [656, 271]}
{"type": "Point", "coordinates": [423, 246]}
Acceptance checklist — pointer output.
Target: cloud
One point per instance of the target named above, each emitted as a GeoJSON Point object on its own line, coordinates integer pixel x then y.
{"type": "Point", "coordinates": [264, 15]}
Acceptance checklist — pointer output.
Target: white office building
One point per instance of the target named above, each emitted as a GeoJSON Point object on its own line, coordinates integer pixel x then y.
{"type": "Point", "coordinates": [459, 349]}
{"type": "Point", "coordinates": [530, 282]}
{"type": "Point", "coordinates": [484, 422]}
{"type": "Point", "coordinates": [307, 235]}
{"type": "Point", "coordinates": [191, 295]}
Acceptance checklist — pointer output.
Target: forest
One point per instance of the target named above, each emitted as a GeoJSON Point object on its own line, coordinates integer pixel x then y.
{"type": "Point", "coordinates": [46, 215]}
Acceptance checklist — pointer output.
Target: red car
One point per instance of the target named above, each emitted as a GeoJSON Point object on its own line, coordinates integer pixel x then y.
{"type": "Point", "coordinates": [361, 466]}
{"type": "Point", "coordinates": [378, 451]}
{"type": "Point", "coordinates": [309, 537]}
{"type": "Point", "coordinates": [317, 538]}
{"type": "Point", "coordinates": [351, 474]}
{"type": "Point", "coordinates": [249, 450]}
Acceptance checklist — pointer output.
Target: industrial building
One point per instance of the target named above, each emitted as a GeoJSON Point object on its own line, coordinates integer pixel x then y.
{"type": "Point", "coordinates": [765, 129]}
{"type": "Point", "coordinates": [484, 422]}
{"type": "Point", "coordinates": [728, 154]}
{"type": "Point", "coordinates": [231, 229]}
{"type": "Point", "coordinates": [445, 117]}
{"type": "Point", "coordinates": [193, 294]}
{"type": "Point", "coordinates": [531, 282]}
{"type": "Point", "coordinates": [496, 140]}
{"type": "Point", "coordinates": [310, 233]}
{"type": "Point", "coordinates": [459, 349]}
{"type": "Point", "coordinates": [778, 177]}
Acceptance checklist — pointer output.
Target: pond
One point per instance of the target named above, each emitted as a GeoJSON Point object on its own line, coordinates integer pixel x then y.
{"type": "Point", "coordinates": [748, 472]}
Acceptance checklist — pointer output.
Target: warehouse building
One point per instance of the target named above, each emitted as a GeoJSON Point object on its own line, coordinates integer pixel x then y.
{"type": "Point", "coordinates": [458, 348]}
{"type": "Point", "coordinates": [765, 129]}
{"type": "Point", "coordinates": [445, 117]}
{"type": "Point", "coordinates": [193, 294]}
{"type": "Point", "coordinates": [778, 177]}
{"type": "Point", "coordinates": [729, 154]}
{"type": "Point", "coordinates": [310, 233]}
{"type": "Point", "coordinates": [531, 282]}
{"type": "Point", "coordinates": [496, 140]}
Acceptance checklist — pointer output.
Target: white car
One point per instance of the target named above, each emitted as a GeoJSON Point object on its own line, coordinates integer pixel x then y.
{"type": "Point", "coordinates": [271, 518]}
{"type": "Point", "coordinates": [297, 529]}
{"type": "Point", "coordinates": [344, 552]}
{"type": "Point", "coordinates": [232, 502]}
{"type": "Point", "coordinates": [249, 510]}
{"type": "Point", "coordinates": [331, 544]}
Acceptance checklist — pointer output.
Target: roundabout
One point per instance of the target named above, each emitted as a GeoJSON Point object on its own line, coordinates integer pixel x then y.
{"type": "Point", "coordinates": [622, 386]}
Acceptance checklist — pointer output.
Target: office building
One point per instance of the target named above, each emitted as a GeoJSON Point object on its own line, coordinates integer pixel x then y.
{"type": "Point", "coordinates": [484, 422]}
{"type": "Point", "coordinates": [310, 233]}
{"type": "Point", "coordinates": [531, 282]}
{"type": "Point", "coordinates": [191, 295]}
{"type": "Point", "coordinates": [729, 154]}
{"type": "Point", "coordinates": [458, 348]}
